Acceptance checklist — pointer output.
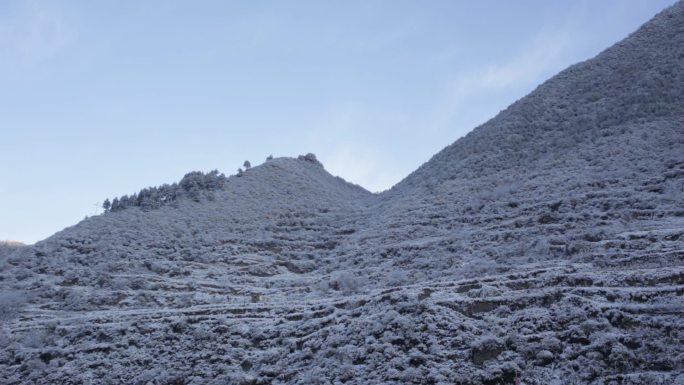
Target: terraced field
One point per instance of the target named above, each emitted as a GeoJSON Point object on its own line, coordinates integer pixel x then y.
{"type": "Point", "coordinates": [565, 323]}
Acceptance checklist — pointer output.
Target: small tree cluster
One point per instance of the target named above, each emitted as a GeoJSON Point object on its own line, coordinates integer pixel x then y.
{"type": "Point", "coordinates": [192, 186]}
{"type": "Point", "coordinates": [309, 158]}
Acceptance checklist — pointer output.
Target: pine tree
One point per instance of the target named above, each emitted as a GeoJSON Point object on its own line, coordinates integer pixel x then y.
{"type": "Point", "coordinates": [116, 205]}
{"type": "Point", "coordinates": [106, 205]}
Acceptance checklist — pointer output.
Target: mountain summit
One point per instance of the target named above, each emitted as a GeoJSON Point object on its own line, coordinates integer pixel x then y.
{"type": "Point", "coordinates": [546, 247]}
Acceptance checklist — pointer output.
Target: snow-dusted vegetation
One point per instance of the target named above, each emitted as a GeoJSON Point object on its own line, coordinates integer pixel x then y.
{"type": "Point", "coordinates": [547, 246]}
{"type": "Point", "coordinates": [194, 185]}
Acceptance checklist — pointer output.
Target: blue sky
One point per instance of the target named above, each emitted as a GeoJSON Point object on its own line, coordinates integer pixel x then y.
{"type": "Point", "coordinates": [100, 99]}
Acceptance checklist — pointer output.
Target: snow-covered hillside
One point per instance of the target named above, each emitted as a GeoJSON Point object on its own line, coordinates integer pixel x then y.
{"type": "Point", "coordinates": [548, 245]}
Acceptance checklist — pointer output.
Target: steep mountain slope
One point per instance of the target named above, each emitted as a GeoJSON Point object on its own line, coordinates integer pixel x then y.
{"type": "Point", "coordinates": [595, 151]}
{"type": "Point", "coordinates": [270, 221]}
{"type": "Point", "coordinates": [635, 82]}
{"type": "Point", "coordinates": [547, 244]}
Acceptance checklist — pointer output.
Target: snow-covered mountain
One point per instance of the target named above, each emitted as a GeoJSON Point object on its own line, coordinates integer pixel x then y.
{"type": "Point", "coordinates": [547, 244]}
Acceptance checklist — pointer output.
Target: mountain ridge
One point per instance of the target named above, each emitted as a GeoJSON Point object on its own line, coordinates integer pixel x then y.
{"type": "Point", "coordinates": [664, 32]}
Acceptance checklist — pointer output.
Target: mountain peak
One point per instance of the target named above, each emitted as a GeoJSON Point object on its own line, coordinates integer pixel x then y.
{"type": "Point", "coordinates": [198, 186]}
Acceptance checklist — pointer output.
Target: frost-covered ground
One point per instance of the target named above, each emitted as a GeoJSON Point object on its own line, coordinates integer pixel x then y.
{"type": "Point", "coordinates": [547, 244]}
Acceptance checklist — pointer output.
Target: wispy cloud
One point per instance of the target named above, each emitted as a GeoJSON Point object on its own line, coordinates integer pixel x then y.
{"type": "Point", "coordinates": [351, 141]}
{"type": "Point", "coordinates": [367, 167]}
{"type": "Point", "coordinates": [470, 97]}
{"type": "Point", "coordinates": [34, 30]}
{"type": "Point", "coordinates": [544, 55]}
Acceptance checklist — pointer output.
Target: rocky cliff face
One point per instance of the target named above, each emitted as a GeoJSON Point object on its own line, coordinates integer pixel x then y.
{"type": "Point", "coordinates": [547, 244]}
